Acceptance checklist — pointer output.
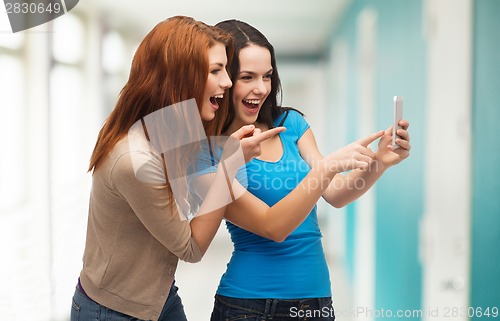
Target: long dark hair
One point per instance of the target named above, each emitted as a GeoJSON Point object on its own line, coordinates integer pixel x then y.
{"type": "Point", "coordinates": [243, 36]}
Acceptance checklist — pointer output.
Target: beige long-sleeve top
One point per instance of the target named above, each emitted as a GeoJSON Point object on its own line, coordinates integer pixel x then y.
{"type": "Point", "coordinates": [134, 239]}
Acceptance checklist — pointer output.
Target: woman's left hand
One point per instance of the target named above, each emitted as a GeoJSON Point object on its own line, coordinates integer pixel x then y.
{"type": "Point", "coordinates": [388, 155]}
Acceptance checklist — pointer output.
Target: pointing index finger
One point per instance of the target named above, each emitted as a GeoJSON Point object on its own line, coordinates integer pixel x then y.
{"type": "Point", "coordinates": [370, 138]}
{"type": "Point", "coordinates": [268, 134]}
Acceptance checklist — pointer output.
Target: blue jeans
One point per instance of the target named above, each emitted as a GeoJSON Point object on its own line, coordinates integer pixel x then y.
{"type": "Point", "coordinates": [231, 309]}
{"type": "Point", "coordinates": [85, 309]}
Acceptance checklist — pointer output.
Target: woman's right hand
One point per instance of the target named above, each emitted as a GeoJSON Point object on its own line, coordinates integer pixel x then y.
{"type": "Point", "coordinates": [353, 156]}
{"type": "Point", "coordinates": [250, 138]}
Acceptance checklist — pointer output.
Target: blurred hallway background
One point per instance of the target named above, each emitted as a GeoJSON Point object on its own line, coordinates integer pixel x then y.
{"type": "Point", "coordinates": [423, 244]}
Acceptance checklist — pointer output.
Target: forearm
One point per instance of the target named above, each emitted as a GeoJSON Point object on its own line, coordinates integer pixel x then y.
{"type": "Point", "coordinates": [219, 194]}
{"type": "Point", "coordinates": [291, 211]}
{"type": "Point", "coordinates": [347, 188]}
{"type": "Point", "coordinates": [278, 221]}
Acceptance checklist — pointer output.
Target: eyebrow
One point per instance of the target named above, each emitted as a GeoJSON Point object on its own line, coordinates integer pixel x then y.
{"type": "Point", "coordinates": [217, 64]}
{"type": "Point", "coordinates": [254, 73]}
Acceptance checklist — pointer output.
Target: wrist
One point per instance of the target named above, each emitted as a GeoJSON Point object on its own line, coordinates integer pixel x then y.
{"type": "Point", "coordinates": [379, 166]}
{"type": "Point", "coordinates": [325, 168]}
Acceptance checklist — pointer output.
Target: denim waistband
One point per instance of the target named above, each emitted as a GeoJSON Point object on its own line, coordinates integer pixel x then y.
{"type": "Point", "coordinates": [279, 307]}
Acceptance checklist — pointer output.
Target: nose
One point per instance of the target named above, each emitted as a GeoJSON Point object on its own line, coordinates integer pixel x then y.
{"type": "Point", "coordinates": [260, 88]}
{"type": "Point", "coordinates": [225, 81]}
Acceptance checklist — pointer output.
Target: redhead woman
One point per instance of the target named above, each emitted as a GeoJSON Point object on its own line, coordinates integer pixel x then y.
{"type": "Point", "coordinates": [135, 233]}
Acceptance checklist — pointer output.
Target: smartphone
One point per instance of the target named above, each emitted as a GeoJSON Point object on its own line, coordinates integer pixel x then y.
{"type": "Point", "coordinates": [398, 115]}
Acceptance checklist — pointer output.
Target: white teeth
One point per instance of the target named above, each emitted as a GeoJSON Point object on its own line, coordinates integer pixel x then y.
{"type": "Point", "coordinates": [253, 101]}
{"type": "Point", "coordinates": [219, 96]}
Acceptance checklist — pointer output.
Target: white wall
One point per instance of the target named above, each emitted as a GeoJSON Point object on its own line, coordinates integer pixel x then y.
{"type": "Point", "coordinates": [445, 228]}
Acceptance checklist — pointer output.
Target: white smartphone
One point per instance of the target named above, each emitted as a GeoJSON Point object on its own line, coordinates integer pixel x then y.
{"type": "Point", "coordinates": [398, 115]}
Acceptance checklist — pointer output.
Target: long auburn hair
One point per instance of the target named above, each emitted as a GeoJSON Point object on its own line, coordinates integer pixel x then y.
{"type": "Point", "coordinates": [170, 66]}
{"type": "Point", "coordinates": [243, 36]}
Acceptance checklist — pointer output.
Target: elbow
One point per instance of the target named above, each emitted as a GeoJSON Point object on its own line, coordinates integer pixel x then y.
{"type": "Point", "coordinates": [337, 203]}
{"type": "Point", "coordinates": [193, 253]}
{"type": "Point", "coordinates": [192, 259]}
{"type": "Point", "coordinates": [277, 236]}
{"type": "Point", "coordinates": [336, 200]}
{"type": "Point", "coordinates": [280, 239]}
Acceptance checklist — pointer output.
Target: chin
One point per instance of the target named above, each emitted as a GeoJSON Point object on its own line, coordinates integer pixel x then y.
{"type": "Point", "coordinates": [207, 116]}
{"type": "Point", "coordinates": [251, 120]}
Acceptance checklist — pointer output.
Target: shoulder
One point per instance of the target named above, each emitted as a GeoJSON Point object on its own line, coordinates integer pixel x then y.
{"type": "Point", "coordinates": [294, 121]}
{"type": "Point", "coordinates": [296, 115]}
{"type": "Point", "coordinates": [133, 161]}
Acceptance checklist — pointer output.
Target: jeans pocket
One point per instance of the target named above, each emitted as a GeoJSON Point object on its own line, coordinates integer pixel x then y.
{"type": "Point", "coordinates": [242, 315]}
{"type": "Point", "coordinates": [245, 318]}
{"type": "Point", "coordinates": [229, 309]}
{"type": "Point", "coordinates": [112, 315]}
{"type": "Point", "coordinates": [75, 311]}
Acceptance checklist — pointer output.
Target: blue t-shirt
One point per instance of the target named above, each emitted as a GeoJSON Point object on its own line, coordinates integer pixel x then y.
{"type": "Point", "coordinates": [261, 268]}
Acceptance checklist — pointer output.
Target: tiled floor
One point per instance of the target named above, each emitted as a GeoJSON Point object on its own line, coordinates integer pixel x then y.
{"type": "Point", "coordinates": [197, 282]}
